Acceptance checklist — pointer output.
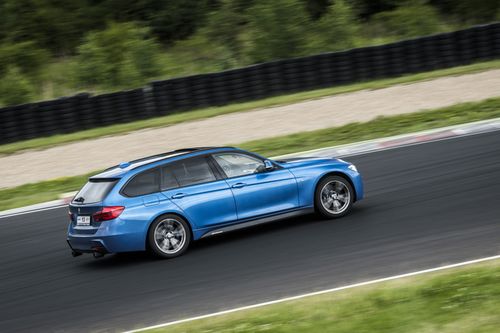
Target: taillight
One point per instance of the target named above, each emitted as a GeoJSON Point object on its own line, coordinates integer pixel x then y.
{"type": "Point", "coordinates": [108, 213]}
{"type": "Point", "coordinates": [71, 216]}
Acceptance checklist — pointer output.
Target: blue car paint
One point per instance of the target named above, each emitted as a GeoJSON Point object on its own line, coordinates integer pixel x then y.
{"type": "Point", "coordinates": [206, 206]}
{"type": "Point", "coordinates": [264, 193]}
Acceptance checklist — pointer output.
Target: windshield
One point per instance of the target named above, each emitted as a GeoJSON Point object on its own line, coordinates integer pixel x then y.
{"type": "Point", "coordinates": [94, 191]}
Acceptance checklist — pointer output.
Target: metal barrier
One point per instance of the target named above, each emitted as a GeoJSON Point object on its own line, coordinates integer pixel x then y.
{"type": "Point", "coordinates": [83, 111]}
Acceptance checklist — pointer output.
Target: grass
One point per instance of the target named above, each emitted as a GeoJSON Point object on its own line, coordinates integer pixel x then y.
{"type": "Point", "coordinates": [465, 299]}
{"type": "Point", "coordinates": [175, 118]}
{"type": "Point", "coordinates": [384, 126]}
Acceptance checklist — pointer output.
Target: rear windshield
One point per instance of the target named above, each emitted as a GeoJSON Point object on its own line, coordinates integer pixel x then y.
{"type": "Point", "coordinates": [94, 191]}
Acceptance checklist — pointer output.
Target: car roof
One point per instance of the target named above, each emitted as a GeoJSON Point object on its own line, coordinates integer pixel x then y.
{"type": "Point", "coordinates": [119, 170]}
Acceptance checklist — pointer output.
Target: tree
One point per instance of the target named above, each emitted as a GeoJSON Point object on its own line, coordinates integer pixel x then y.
{"type": "Point", "coordinates": [25, 56]}
{"type": "Point", "coordinates": [410, 20]}
{"type": "Point", "coordinates": [469, 11]}
{"type": "Point", "coordinates": [15, 88]}
{"type": "Point", "coordinates": [226, 25]}
{"type": "Point", "coordinates": [277, 29]}
{"type": "Point", "coordinates": [56, 25]}
{"type": "Point", "coordinates": [123, 55]}
{"type": "Point", "coordinates": [336, 30]}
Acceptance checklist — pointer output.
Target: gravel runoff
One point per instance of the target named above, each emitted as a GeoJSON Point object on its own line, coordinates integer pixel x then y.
{"type": "Point", "coordinates": [84, 156]}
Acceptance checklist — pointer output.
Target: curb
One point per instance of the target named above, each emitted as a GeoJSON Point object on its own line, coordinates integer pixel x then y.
{"type": "Point", "coordinates": [358, 148]}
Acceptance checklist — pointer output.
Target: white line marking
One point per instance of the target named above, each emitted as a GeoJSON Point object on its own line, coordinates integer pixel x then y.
{"type": "Point", "coordinates": [286, 299]}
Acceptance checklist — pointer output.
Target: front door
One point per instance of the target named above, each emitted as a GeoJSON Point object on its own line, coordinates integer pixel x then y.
{"type": "Point", "coordinates": [257, 191]}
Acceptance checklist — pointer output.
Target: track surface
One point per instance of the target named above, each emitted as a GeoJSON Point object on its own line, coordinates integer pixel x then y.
{"type": "Point", "coordinates": [425, 206]}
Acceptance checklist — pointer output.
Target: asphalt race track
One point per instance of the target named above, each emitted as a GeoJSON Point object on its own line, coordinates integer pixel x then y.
{"type": "Point", "coordinates": [426, 205]}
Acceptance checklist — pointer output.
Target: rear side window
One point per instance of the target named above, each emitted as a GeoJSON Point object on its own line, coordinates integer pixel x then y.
{"type": "Point", "coordinates": [94, 191]}
{"type": "Point", "coordinates": [193, 171]}
{"type": "Point", "coordinates": [143, 183]}
{"type": "Point", "coordinates": [168, 179]}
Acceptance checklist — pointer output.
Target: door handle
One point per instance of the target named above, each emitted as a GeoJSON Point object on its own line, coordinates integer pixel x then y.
{"type": "Point", "coordinates": [178, 196]}
{"type": "Point", "coordinates": [239, 185]}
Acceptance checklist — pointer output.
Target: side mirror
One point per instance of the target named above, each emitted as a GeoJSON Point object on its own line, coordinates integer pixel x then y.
{"type": "Point", "coordinates": [268, 165]}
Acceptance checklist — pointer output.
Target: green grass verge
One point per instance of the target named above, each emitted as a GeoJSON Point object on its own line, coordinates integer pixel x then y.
{"type": "Point", "coordinates": [215, 111]}
{"type": "Point", "coordinates": [465, 299]}
{"type": "Point", "coordinates": [380, 127]}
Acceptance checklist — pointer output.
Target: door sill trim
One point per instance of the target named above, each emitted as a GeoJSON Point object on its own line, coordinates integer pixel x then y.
{"type": "Point", "coordinates": [258, 221]}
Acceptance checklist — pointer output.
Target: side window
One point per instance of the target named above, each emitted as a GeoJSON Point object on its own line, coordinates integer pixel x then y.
{"type": "Point", "coordinates": [193, 171]}
{"type": "Point", "coordinates": [143, 183]}
{"type": "Point", "coordinates": [238, 164]}
{"type": "Point", "coordinates": [168, 179]}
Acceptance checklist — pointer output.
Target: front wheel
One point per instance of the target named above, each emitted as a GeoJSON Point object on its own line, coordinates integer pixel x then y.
{"type": "Point", "coordinates": [169, 236]}
{"type": "Point", "coordinates": [333, 197]}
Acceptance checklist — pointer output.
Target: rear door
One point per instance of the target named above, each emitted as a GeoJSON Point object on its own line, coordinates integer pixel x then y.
{"type": "Point", "coordinates": [195, 187]}
{"type": "Point", "coordinates": [257, 191]}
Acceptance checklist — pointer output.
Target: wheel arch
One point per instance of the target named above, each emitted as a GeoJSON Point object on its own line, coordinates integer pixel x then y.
{"type": "Point", "coordinates": [340, 174]}
{"type": "Point", "coordinates": [163, 214]}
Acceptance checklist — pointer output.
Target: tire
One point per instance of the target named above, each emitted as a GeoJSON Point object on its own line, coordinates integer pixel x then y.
{"type": "Point", "coordinates": [169, 236]}
{"type": "Point", "coordinates": [328, 197]}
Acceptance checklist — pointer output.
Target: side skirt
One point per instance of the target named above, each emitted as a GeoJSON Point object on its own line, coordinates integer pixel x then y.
{"type": "Point", "coordinates": [259, 221]}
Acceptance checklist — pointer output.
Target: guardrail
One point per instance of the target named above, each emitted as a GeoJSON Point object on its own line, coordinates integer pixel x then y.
{"type": "Point", "coordinates": [83, 111]}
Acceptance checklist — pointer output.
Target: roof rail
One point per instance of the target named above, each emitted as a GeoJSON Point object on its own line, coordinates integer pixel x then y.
{"type": "Point", "coordinates": [166, 155]}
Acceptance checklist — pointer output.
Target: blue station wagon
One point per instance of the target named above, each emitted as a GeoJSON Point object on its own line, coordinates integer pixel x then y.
{"type": "Point", "coordinates": [164, 202]}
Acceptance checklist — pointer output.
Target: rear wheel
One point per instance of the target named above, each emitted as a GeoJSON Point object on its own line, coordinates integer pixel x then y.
{"type": "Point", "coordinates": [333, 197]}
{"type": "Point", "coordinates": [169, 236]}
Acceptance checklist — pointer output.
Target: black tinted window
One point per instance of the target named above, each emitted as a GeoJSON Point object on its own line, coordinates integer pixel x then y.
{"type": "Point", "coordinates": [94, 191]}
{"type": "Point", "coordinates": [169, 180]}
{"type": "Point", "coordinates": [193, 171]}
{"type": "Point", "coordinates": [143, 183]}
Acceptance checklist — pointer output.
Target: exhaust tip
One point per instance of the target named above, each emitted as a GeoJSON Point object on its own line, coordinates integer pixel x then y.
{"type": "Point", "coordinates": [97, 254]}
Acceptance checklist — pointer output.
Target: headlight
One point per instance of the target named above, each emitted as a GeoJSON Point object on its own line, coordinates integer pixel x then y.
{"type": "Point", "coordinates": [353, 168]}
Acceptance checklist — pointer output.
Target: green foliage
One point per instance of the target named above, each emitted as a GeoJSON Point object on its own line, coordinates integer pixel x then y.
{"type": "Point", "coordinates": [200, 36]}
{"type": "Point", "coordinates": [26, 56]}
{"type": "Point", "coordinates": [15, 88]}
{"type": "Point", "coordinates": [408, 21]}
{"type": "Point", "coordinates": [197, 55]}
{"type": "Point", "coordinates": [59, 25]}
{"type": "Point", "coordinates": [226, 25]}
{"type": "Point", "coordinates": [54, 24]}
{"type": "Point", "coordinates": [469, 11]}
{"type": "Point", "coordinates": [123, 55]}
{"type": "Point", "coordinates": [336, 30]}
{"type": "Point", "coordinates": [276, 30]}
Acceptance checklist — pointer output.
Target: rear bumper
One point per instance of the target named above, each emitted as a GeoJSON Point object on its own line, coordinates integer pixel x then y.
{"type": "Point", "coordinates": [106, 244]}
{"type": "Point", "coordinates": [111, 237]}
